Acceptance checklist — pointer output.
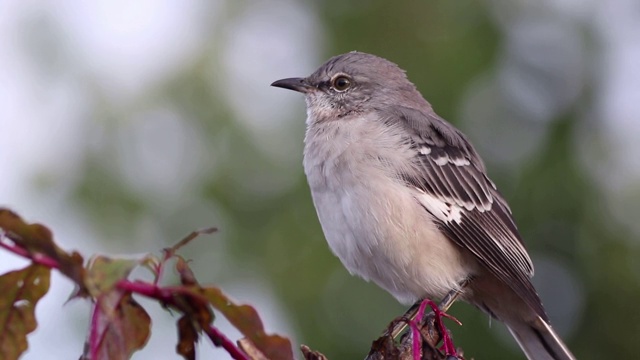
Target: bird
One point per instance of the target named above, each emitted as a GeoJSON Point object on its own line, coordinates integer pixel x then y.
{"type": "Point", "coordinates": [404, 199]}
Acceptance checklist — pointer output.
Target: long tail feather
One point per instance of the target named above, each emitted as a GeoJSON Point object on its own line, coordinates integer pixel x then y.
{"type": "Point", "coordinates": [539, 341]}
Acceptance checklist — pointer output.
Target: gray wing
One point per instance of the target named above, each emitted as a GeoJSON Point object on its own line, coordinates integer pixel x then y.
{"type": "Point", "coordinates": [453, 186]}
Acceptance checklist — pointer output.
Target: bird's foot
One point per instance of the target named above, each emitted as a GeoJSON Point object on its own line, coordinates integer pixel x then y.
{"type": "Point", "coordinates": [416, 340]}
{"type": "Point", "coordinates": [447, 343]}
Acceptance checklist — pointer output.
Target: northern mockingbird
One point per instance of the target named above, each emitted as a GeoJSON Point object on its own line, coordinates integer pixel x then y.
{"type": "Point", "coordinates": [404, 199]}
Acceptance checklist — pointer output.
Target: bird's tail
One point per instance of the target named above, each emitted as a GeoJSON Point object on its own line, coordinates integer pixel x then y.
{"type": "Point", "coordinates": [539, 341]}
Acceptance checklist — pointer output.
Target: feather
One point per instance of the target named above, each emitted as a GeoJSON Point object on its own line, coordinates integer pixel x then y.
{"type": "Point", "coordinates": [450, 182]}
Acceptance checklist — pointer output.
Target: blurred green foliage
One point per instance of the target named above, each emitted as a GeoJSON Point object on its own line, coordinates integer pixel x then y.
{"type": "Point", "coordinates": [444, 45]}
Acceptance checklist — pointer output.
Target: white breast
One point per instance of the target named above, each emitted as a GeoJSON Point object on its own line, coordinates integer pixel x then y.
{"type": "Point", "coordinates": [371, 220]}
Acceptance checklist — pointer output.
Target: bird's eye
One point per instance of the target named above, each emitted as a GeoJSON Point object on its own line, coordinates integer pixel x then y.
{"type": "Point", "coordinates": [341, 83]}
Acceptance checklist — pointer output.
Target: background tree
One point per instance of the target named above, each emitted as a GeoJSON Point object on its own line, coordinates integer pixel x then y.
{"type": "Point", "coordinates": [125, 126]}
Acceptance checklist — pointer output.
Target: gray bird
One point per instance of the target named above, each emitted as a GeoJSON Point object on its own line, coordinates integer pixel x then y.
{"type": "Point", "coordinates": [404, 199]}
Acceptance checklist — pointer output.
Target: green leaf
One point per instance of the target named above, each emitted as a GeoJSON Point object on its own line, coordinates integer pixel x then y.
{"type": "Point", "coordinates": [103, 273]}
{"type": "Point", "coordinates": [119, 327]}
{"type": "Point", "coordinates": [20, 291]}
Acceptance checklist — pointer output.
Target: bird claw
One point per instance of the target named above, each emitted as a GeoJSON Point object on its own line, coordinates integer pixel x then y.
{"type": "Point", "coordinates": [447, 343]}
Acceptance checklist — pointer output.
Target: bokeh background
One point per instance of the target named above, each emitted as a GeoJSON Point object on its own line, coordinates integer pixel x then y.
{"type": "Point", "coordinates": [124, 125]}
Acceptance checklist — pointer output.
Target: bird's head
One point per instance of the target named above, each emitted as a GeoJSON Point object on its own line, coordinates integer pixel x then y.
{"type": "Point", "coordinates": [353, 83]}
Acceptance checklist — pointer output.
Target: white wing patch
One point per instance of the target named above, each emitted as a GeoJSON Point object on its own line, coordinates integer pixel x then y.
{"type": "Point", "coordinates": [460, 162]}
{"type": "Point", "coordinates": [424, 150]}
{"type": "Point", "coordinates": [446, 159]}
{"type": "Point", "coordinates": [441, 161]}
{"type": "Point", "coordinates": [439, 208]}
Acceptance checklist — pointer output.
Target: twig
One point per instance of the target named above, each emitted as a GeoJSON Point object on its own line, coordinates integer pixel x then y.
{"type": "Point", "coordinates": [163, 294]}
{"type": "Point", "coordinates": [219, 339]}
{"type": "Point", "coordinates": [36, 258]}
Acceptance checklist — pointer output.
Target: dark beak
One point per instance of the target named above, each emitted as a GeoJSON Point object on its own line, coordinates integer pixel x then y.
{"type": "Point", "coordinates": [295, 84]}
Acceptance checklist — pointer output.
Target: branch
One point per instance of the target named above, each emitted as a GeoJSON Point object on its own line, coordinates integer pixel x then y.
{"type": "Point", "coordinates": [165, 295]}
{"type": "Point", "coordinates": [386, 348]}
{"type": "Point", "coordinates": [219, 339]}
{"type": "Point", "coordinates": [105, 281]}
{"type": "Point", "coordinates": [36, 258]}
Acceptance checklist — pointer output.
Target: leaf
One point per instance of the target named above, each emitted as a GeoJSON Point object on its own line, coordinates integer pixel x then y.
{"type": "Point", "coordinates": [20, 291]}
{"type": "Point", "coordinates": [196, 307]}
{"type": "Point", "coordinates": [187, 338]}
{"type": "Point", "coordinates": [246, 319]}
{"type": "Point", "coordinates": [38, 239]}
{"type": "Point", "coordinates": [197, 315]}
{"type": "Point", "coordinates": [186, 274]}
{"type": "Point", "coordinates": [251, 350]}
{"type": "Point", "coordinates": [119, 327]}
{"type": "Point", "coordinates": [29, 236]}
{"type": "Point", "coordinates": [103, 273]}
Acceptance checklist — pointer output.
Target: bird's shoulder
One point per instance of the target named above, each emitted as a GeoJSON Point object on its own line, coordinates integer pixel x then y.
{"type": "Point", "coordinates": [445, 162]}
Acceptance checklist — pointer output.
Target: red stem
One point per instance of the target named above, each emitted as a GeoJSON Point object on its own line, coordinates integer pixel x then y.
{"type": "Point", "coordinates": [93, 332]}
{"type": "Point", "coordinates": [219, 339]}
{"type": "Point", "coordinates": [160, 267]}
{"type": "Point", "coordinates": [36, 258]}
{"type": "Point", "coordinates": [164, 294]}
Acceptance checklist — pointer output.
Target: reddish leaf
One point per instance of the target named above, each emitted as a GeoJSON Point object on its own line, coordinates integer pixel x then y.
{"type": "Point", "coordinates": [119, 327]}
{"type": "Point", "coordinates": [37, 239]}
{"type": "Point", "coordinates": [103, 273]}
{"type": "Point", "coordinates": [246, 319]}
{"type": "Point", "coordinates": [197, 315]}
{"type": "Point", "coordinates": [186, 275]}
{"type": "Point", "coordinates": [33, 237]}
{"type": "Point", "coordinates": [251, 350]}
{"type": "Point", "coordinates": [196, 308]}
{"type": "Point", "coordinates": [19, 293]}
{"type": "Point", "coordinates": [187, 338]}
